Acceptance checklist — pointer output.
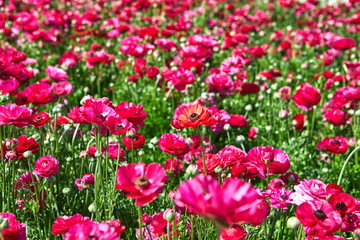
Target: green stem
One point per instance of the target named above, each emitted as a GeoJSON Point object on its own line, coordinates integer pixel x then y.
{"type": "Point", "coordinates": [202, 150]}
{"type": "Point", "coordinates": [140, 222]}
{"type": "Point", "coordinates": [345, 163]}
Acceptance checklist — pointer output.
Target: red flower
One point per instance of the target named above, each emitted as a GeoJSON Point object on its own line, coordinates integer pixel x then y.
{"type": "Point", "coordinates": [298, 121]}
{"type": "Point", "coordinates": [336, 145]}
{"type": "Point", "coordinates": [132, 113]}
{"type": "Point", "coordinates": [306, 97]}
{"type": "Point", "coordinates": [138, 141]}
{"type": "Point", "coordinates": [194, 116]}
{"type": "Point", "coordinates": [253, 133]}
{"type": "Point", "coordinates": [46, 166]}
{"type": "Point", "coordinates": [62, 89]}
{"type": "Point", "coordinates": [62, 224]}
{"type": "Point", "coordinates": [141, 182]}
{"type": "Point", "coordinates": [335, 116]}
{"type": "Point", "coordinates": [118, 125]}
{"type": "Point", "coordinates": [319, 215]}
{"type": "Point", "coordinates": [39, 119]}
{"type": "Point", "coordinates": [211, 162]}
{"type": "Point", "coordinates": [343, 203]}
{"type": "Point", "coordinates": [173, 144]}
{"type": "Point", "coordinates": [174, 169]}
{"type": "Point", "coordinates": [152, 72]}
{"type": "Point", "coordinates": [236, 232]}
{"type": "Point", "coordinates": [17, 115]}
{"type": "Point", "coordinates": [238, 121]}
{"type": "Point", "coordinates": [344, 44]}
{"type": "Point", "coordinates": [60, 120]}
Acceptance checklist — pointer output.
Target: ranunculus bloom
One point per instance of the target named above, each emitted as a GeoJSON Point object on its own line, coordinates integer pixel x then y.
{"type": "Point", "coordinates": [344, 43]}
{"type": "Point", "coordinates": [46, 166]}
{"type": "Point", "coordinates": [235, 232]}
{"type": "Point", "coordinates": [91, 230]}
{"type": "Point", "coordinates": [309, 190]}
{"type": "Point", "coordinates": [86, 181]}
{"type": "Point", "coordinates": [134, 114]}
{"type": "Point", "coordinates": [56, 73]}
{"type": "Point", "coordinates": [39, 119]}
{"type": "Point", "coordinates": [24, 144]}
{"type": "Point", "coordinates": [300, 120]}
{"type": "Point", "coordinates": [194, 116]}
{"type": "Point", "coordinates": [220, 83]}
{"type": "Point", "coordinates": [253, 133]}
{"type": "Point", "coordinates": [118, 125]}
{"type": "Point", "coordinates": [233, 202]}
{"type": "Point", "coordinates": [173, 144]}
{"type": "Point", "coordinates": [343, 203]}
{"type": "Point", "coordinates": [13, 114]}
{"type": "Point", "coordinates": [141, 182]}
{"type": "Point", "coordinates": [62, 224]}
{"type": "Point", "coordinates": [319, 215]}
{"type": "Point", "coordinates": [238, 121]}
{"type": "Point", "coordinates": [335, 116]}
{"type": "Point", "coordinates": [97, 113]}
{"type": "Point", "coordinates": [277, 160]}
{"type": "Point", "coordinates": [230, 155]}
{"type": "Point", "coordinates": [152, 72]}
{"type": "Point", "coordinates": [62, 89]}
{"type": "Point", "coordinates": [336, 145]}
{"type": "Point", "coordinates": [306, 97]}
{"type": "Point", "coordinates": [16, 230]}
{"type": "Point", "coordinates": [211, 162]}
{"type": "Point", "coordinates": [137, 141]}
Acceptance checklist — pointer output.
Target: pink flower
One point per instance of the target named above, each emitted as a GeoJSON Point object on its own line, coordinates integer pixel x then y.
{"type": "Point", "coordinates": [232, 65]}
{"type": "Point", "coordinates": [63, 88]}
{"type": "Point", "coordinates": [277, 160]}
{"type": "Point", "coordinates": [174, 144]}
{"type": "Point", "coordinates": [181, 78]}
{"type": "Point", "coordinates": [46, 166]}
{"type": "Point", "coordinates": [16, 230]}
{"type": "Point", "coordinates": [97, 113]}
{"type": "Point", "coordinates": [118, 125]}
{"type": "Point", "coordinates": [134, 114]}
{"type": "Point", "coordinates": [56, 74]}
{"type": "Point", "coordinates": [90, 230]}
{"type": "Point", "coordinates": [230, 155]}
{"type": "Point", "coordinates": [319, 215]}
{"type": "Point", "coordinates": [309, 190]}
{"type": "Point", "coordinates": [141, 182]}
{"type": "Point", "coordinates": [220, 83]}
{"type": "Point", "coordinates": [280, 198]}
{"type": "Point", "coordinates": [233, 202]}
{"type": "Point", "coordinates": [85, 182]}
{"type": "Point", "coordinates": [13, 114]}
{"type": "Point", "coordinates": [62, 224]}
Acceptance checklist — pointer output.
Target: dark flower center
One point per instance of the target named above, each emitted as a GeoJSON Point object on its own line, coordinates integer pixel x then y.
{"type": "Point", "coordinates": [194, 116]}
{"type": "Point", "coordinates": [101, 117]}
{"type": "Point", "coordinates": [340, 206]}
{"type": "Point", "coordinates": [142, 182]}
{"type": "Point", "coordinates": [320, 214]}
{"type": "Point", "coordinates": [38, 119]}
{"type": "Point", "coordinates": [283, 196]}
{"type": "Point", "coordinates": [119, 127]}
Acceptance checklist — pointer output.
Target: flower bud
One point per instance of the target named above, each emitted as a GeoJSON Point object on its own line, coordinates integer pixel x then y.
{"type": "Point", "coordinates": [248, 107]}
{"type": "Point", "coordinates": [27, 154]}
{"type": "Point", "coordinates": [12, 143]}
{"type": "Point", "coordinates": [66, 191]}
{"type": "Point", "coordinates": [10, 155]}
{"type": "Point", "coordinates": [141, 153]}
{"type": "Point", "coordinates": [169, 215]}
{"type": "Point", "coordinates": [293, 223]}
{"type": "Point", "coordinates": [227, 127]}
{"type": "Point", "coordinates": [4, 224]}
{"type": "Point", "coordinates": [154, 141]}
{"type": "Point", "coordinates": [192, 170]}
{"type": "Point", "coordinates": [52, 139]}
{"type": "Point", "coordinates": [218, 170]}
{"type": "Point", "coordinates": [130, 133]}
{"type": "Point", "coordinates": [93, 208]}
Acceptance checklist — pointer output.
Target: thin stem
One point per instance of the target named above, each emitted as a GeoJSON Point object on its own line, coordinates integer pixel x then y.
{"type": "Point", "coordinates": [140, 222]}
{"type": "Point", "coordinates": [345, 163]}
{"type": "Point", "coordinates": [202, 150]}
{"type": "Point", "coordinates": [168, 230]}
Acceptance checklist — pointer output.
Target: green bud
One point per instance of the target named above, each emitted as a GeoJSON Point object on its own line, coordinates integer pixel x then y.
{"type": "Point", "coordinates": [93, 208]}
{"type": "Point", "coordinates": [293, 223]}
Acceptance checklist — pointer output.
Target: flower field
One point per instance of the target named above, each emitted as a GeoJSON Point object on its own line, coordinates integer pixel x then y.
{"type": "Point", "coordinates": [179, 119]}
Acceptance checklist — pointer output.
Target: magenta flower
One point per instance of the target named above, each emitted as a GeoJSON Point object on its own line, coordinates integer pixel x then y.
{"type": "Point", "coordinates": [17, 115]}
{"type": "Point", "coordinates": [220, 83]}
{"type": "Point", "coordinates": [319, 215]}
{"type": "Point", "coordinates": [235, 201]}
{"type": "Point", "coordinates": [16, 230]}
{"type": "Point", "coordinates": [141, 182]}
{"type": "Point", "coordinates": [46, 166]}
{"type": "Point", "coordinates": [97, 113]}
{"type": "Point", "coordinates": [56, 74]}
{"type": "Point", "coordinates": [86, 181]}
{"type": "Point", "coordinates": [118, 125]}
{"type": "Point", "coordinates": [173, 144]}
{"type": "Point", "coordinates": [277, 160]}
{"type": "Point", "coordinates": [91, 230]}
{"type": "Point", "coordinates": [134, 114]}
{"type": "Point", "coordinates": [62, 224]}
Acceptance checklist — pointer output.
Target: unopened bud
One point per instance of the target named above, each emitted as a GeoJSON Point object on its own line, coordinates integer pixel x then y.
{"type": "Point", "coordinates": [154, 141]}
{"type": "Point", "coordinates": [293, 223]}
{"type": "Point", "coordinates": [227, 127]}
{"type": "Point", "coordinates": [4, 224]}
{"type": "Point", "coordinates": [93, 208]}
{"type": "Point", "coordinates": [27, 154]}
{"type": "Point", "coordinates": [12, 143]}
{"type": "Point", "coordinates": [169, 215]}
{"type": "Point", "coordinates": [218, 170]}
